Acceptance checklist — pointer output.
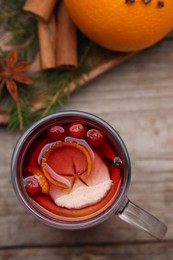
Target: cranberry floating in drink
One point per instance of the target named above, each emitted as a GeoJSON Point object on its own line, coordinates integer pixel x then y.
{"type": "Point", "coordinates": [77, 130]}
{"type": "Point", "coordinates": [71, 170]}
{"type": "Point", "coordinates": [56, 133]}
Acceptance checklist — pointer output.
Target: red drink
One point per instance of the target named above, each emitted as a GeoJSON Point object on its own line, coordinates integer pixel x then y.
{"type": "Point", "coordinates": [72, 172]}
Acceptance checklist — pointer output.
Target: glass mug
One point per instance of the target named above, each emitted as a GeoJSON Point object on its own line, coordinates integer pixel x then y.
{"type": "Point", "coordinates": [119, 205]}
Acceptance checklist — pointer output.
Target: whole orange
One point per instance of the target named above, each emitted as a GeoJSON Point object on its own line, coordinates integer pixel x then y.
{"type": "Point", "coordinates": [122, 25]}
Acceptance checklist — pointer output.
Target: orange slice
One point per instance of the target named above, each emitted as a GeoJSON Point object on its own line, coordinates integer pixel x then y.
{"type": "Point", "coordinates": [40, 177]}
{"type": "Point", "coordinates": [63, 163]}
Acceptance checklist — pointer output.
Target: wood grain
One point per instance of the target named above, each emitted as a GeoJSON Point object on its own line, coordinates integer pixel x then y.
{"type": "Point", "coordinates": [137, 99]}
{"type": "Point", "coordinates": [154, 251]}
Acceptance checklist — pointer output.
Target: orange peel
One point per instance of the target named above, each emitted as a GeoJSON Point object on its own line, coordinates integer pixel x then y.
{"type": "Point", "coordinates": [40, 177]}
{"type": "Point", "coordinates": [52, 149]}
{"type": "Point", "coordinates": [122, 25]}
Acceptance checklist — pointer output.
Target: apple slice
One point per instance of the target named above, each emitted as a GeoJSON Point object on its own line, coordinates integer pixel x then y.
{"type": "Point", "coordinates": [87, 190]}
{"type": "Point", "coordinates": [75, 214]}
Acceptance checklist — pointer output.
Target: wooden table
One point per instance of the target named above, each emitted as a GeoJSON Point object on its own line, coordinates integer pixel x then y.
{"type": "Point", "coordinates": [137, 99]}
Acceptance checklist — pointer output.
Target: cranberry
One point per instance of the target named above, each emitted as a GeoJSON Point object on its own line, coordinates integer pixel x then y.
{"type": "Point", "coordinates": [95, 137]}
{"type": "Point", "coordinates": [32, 187]}
{"type": "Point", "coordinates": [77, 130]}
{"type": "Point", "coordinates": [56, 133]}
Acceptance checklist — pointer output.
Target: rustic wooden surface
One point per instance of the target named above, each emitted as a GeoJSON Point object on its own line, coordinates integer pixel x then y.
{"type": "Point", "coordinates": [137, 99]}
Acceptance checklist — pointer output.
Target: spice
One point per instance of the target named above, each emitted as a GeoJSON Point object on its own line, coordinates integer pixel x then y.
{"type": "Point", "coordinates": [47, 43]}
{"type": "Point", "coordinates": [11, 72]}
{"type": "Point", "coordinates": [160, 4]}
{"type": "Point", "coordinates": [66, 44]}
{"type": "Point", "coordinates": [129, 1]}
{"type": "Point", "coordinates": [41, 8]}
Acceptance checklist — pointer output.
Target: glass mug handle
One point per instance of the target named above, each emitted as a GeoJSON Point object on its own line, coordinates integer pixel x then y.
{"type": "Point", "coordinates": [140, 218]}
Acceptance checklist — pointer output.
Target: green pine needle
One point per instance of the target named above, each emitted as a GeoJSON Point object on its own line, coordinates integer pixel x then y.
{"type": "Point", "coordinates": [20, 115]}
{"type": "Point", "coordinates": [51, 83]}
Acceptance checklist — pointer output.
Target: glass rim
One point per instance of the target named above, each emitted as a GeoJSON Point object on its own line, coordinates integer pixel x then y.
{"type": "Point", "coordinates": [115, 206]}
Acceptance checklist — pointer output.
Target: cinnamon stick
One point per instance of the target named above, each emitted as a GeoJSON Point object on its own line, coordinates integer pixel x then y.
{"type": "Point", "coordinates": [41, 8]}
{"type": "Point", "coordinates": [47, 43]}
{"type": "Point", "coordinates": [66, 39]}
{"type": "Point", "coordinates": [97, 70]}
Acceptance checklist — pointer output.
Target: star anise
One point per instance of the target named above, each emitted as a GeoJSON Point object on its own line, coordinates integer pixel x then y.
{"type": "Point", "coordinates": [11, 72]}
{"type": "Point", "coordinates": [76, 175]}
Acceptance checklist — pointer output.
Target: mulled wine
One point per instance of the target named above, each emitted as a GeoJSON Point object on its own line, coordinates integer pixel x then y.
{"type": "Point", "coordinates": [71, 171]}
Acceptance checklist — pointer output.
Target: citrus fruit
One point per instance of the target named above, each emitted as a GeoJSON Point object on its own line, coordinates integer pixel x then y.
{"type": "Point", "coordinates": [65, 162]}
{"type": "Point", "coordinates": [123, 25]}
{"type": "Point", "coordinates": [42, 181]}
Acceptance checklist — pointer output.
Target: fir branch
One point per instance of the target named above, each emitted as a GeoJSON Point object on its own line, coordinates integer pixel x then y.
{"type": "Point", "coordinates": [20, 117]}
{"type": "Point", "coordinates": [21, 25]}
{"type": "Point", "coordinates": [84, 56]}
{"type": "Point", "coordinates": [54, 85]}
{"type": "Point", "coordinates": [56, 99]}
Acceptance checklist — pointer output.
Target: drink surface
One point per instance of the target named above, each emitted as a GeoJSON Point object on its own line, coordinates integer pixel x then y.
{"type": "Point", "coordinates": [71, 172]}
